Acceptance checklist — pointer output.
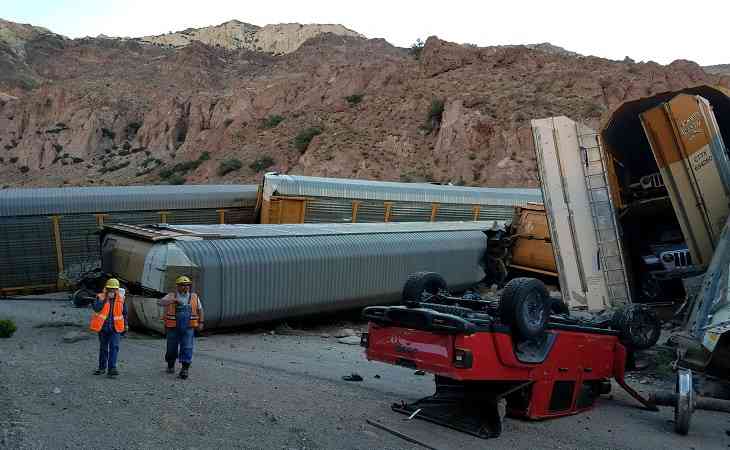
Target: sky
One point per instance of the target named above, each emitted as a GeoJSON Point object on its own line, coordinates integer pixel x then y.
{"type": "Point", "coordinates": [645, 30]}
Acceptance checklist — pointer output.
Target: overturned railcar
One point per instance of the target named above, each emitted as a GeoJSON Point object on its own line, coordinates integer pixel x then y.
{"type": "Point", "coordinates": [301, 199]}
{"type": "Point", "coordinates": [251, 273]}
{"type": "Point", "coordinates": [49, 234]}
{"type": "Point", "coordinates": [638, 206]}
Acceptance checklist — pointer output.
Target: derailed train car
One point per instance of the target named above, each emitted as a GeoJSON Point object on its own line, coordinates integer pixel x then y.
{"type": "Point", "coordinates": [251, 273]}
{"type": "Point", "coordinates": [47, 234]}
{"type": "Point", "coordinates": [638, 206]}
{"type": "Point", "coordinates": [301, 199]}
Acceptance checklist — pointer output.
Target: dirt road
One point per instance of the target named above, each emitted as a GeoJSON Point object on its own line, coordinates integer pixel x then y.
{"type": "Point", "coordinates": [255, 390]}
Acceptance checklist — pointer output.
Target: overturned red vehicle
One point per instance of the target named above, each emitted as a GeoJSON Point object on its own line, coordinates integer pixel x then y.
{"type": "Point", "coordinates": [521, 356]}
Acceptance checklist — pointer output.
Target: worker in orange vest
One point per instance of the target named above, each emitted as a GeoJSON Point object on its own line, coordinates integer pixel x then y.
{"type": "Point", "coordinates": [182, 316]}
{"type": "Point", "coordinates": [109, 321]}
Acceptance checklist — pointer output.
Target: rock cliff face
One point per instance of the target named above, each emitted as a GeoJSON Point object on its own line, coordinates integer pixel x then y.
{"type": "Point", "coordinates": [719, 69]}
{"type": "Point", "coordinates": [275, 39]}
{"type": "Point", "coordinates": [124, 111]}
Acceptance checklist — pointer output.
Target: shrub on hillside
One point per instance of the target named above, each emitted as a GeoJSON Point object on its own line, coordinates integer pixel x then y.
{"type": "Point", "coordinates": [183, 168]}
{"type": "Point", "coordinates": [354, 99]}
{"type": "Point", "coordinates": [417, 48]}
{"type": "Point", "coordinates": [272, 121]}
{"type": "Point", "coordinates": [176, 179]}
{"type": "Point", "coordinates": [435, 115]}
{"type": "Point", "coordinates": [228, 166]}
{"type": "Point", "coordinates": [262, 163]}
{"type": "Point", "coordinates": [302, 140]}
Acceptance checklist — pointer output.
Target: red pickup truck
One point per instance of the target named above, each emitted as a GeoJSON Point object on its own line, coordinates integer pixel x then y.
{"type": "Point", "coordinates": [522, 355]}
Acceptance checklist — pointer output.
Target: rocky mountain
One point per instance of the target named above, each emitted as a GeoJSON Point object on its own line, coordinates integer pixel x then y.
{"type": "Point", "coordinates": [275, 39]}
{"type": "Point", "coordinates": [719, 69]}
{"type": "Point", "coordinates": [127, 111]}
{"type": "Point", "coordinates": [17, 41]}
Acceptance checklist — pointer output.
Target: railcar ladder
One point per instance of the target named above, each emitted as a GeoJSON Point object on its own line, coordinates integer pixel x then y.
{"type": "Point", "coordinates": [610, 256]}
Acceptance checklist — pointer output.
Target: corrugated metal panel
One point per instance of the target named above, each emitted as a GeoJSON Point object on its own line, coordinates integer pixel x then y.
{"type": "Point", "coordinates": [294, 230]}
{"type": "Point", "coordinates": [248, 280]}
{"type": "Point", "coordinates": [411, 212]}
{"type": "Point", "coordinates": [300, 186]}
{"type": "Point", "coordinates": [496, 213]}
{"type": "Point", "coordinates": [27, 252]}
{"type": "Point", "coordinates": [241, 215]}
{"type": "Point", "coordinates": [371, 211]}
{"type": "Point", "coordinates": [29, 202]}
{"type": "Point", "coordinates": [448, 213]}
{"type": "Point", "coordinates": [80, 244]}
{"type": "Point", "coordinates": [134, 217]}
{"type": "Point", "coordinates": [328, 210]}
{"type": "Point", "coordinates": [193, 216]}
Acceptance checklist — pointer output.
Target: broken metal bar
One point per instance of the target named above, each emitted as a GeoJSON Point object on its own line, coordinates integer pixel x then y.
{"type": "Point", "coordinates": [397, 433]}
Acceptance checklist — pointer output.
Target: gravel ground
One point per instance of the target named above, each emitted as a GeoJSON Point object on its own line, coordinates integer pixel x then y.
{"type": "Point", "coordinates": [256, 390]}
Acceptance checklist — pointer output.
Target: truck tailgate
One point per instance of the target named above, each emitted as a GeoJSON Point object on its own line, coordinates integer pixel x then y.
{"type": "Point", "coordinates": [411, 348]}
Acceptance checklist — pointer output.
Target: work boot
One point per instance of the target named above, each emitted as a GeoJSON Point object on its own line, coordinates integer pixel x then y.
{"type": "Point", "coordinates": [171, 367]}
{"type": "Point", "coordinates": [99, 371]}
{"type": "Point", "coordinates": [184, 371]}
{"type": "Point", "coordinates": [113, 373]}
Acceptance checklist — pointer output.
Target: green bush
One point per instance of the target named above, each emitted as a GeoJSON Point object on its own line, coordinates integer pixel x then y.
{"type": "Point", "coordinates": [435, 115]}
{"type": "Point", "coordinates": [272, 121]}
{"type": "Point", "coordinates": [417, 48]}
{"type": "Point", "coordinates": [167, 173]}
{"type": "Point", "coordinates": [262, 164]}
{"type": "Point", "coordinates": [354, 99]}
{"type": "Point", "coordinates": [176, 179]}
{"type": "Point", "coordinates": [7, 328]}
{"type": "Point", "coordinates": [302, 140]}
{"type": "Point", "coordinates": [183, 168]}
{"type": "Point", "coordinates": [228, 166]}
{"type": "Point", "coordinates": [437, 110]}
{"type": "Point", "coordinates": [113, 168]}
{"type": "Point", "coordinates": [24, 169]}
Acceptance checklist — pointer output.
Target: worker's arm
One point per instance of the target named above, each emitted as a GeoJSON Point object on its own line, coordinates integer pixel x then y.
{"type": "Point", "coordinates": [201, 315]}
{"type": "Point", "coordinates": [98, 304]}
{"type": "Point", "coordinates": [166, 300]}
{"type": "Point", "coordinates": [124, 313]}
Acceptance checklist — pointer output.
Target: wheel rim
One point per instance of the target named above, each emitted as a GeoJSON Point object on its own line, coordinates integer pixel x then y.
{"type": "Point", "coordinates": [534, 311]}
{"type": "Point", "coordinates": [685, 403]}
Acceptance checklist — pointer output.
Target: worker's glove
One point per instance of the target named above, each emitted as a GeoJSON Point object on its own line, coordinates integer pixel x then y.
{"type": "Point", "coordinates": [200, 326]}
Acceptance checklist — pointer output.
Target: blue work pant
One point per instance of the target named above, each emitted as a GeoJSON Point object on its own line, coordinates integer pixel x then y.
{"type": "Point", "coordinates": [179, 343]}
{"type": "Point", "coordinates": [108, 349]}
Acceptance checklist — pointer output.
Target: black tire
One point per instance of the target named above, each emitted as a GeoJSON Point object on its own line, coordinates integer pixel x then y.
{"type": "Point", "coordinates": [525, 306]}
{"type": "Point", "coordinates": [639, 327]}
{"type": "Point", "coordinates": [420, 282]}
{"type": "Point", "coordinates": [83, 298]}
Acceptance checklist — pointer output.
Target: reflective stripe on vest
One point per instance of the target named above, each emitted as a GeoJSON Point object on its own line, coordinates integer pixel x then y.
{"type": "Point", "coordinates": [170, 317]}
{"type": "Point", "coordinates": [98, 319]}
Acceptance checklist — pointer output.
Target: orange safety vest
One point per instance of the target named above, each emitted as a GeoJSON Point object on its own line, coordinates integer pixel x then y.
{"type": "Point", "coordinates": [98, 319]}
{"type": "Point", "coordinates": [170, 313]}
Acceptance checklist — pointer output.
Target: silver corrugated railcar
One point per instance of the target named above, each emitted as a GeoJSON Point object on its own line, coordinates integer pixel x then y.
{"type": "Point", "coordinates": [300, 199]}
{"type": "Point", "coordinates": [51, 231]}
{"type": "Point", "coordinates": [255, 273]}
